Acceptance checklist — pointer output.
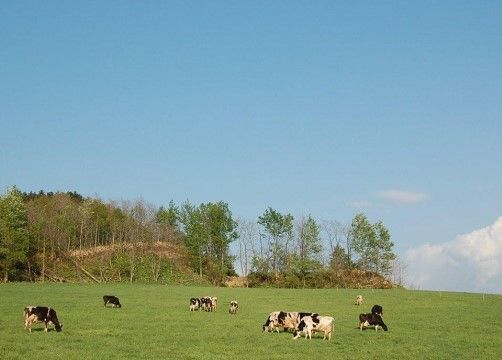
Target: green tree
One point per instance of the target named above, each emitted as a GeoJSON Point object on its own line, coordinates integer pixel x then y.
{"type": "Point", "coordinates": [308, 256]}
{"type": "Point", "coordinates": [14, 238]}
{"type": "Point", "coordinates": [222, 232]}
{"type": "Point", "coordinates": [384, 254]}
{"type": "Point", "coordinates": [339, 259]}
{"type": "Point", "coordinates": [363, 240]}
{"type": "Point", "coordinates": [195, 236]}
{"type": "Point", "coordinates": [373, 245]}
{"type": "Point", "coordinates": [209, 229]}
{"type": "Point", "coordinates": [279, 230]}
{"type": "Point", "coordinates": [168, 216]}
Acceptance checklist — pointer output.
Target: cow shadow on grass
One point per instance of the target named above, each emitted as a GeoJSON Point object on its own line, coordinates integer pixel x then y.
{"type": "Point", "coordinates": [37, 330]}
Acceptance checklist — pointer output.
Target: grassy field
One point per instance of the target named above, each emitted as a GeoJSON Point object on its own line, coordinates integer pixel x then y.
{"type": "Point", "coordinates": [155, 323]}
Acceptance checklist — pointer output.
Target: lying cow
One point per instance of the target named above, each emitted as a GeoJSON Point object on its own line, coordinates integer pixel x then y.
{"type": "Point", "coordinates": [41, 314]}
{"type": "Point", "coordinates": [233, 307]}
{"type": "Point", "coordinates": [113, 300]}
{"type": "Point", "coordinates": [359, 300]}
{"type": "Point", "coordinates": [285, 320]}
{"type": "Point", "coordinates": [315, 323]}
{"type": "Point", "coordinates": [195, 304]}
{"type": "Point", "coordinates": [366, 320]}
{"type": "Point", "coordinates": [377, 310]}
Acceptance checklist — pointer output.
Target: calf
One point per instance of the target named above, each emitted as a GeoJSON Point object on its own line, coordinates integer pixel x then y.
{"type": "Point", "coordinates": [359, 300]}
{"type": "Point", "coordinates": [315, 323]}
{"type": "Point", "coordinates": [371, 319]}
{"type": "Point", "coordinates": [377, 310]}
{"type": "Point", "coordinates": [195, 304]}
{"type": "Point", "coordinates": [39, 314]}
{"type": "Point", "coordinates": [284, 319]}
{"type": "Point", "coordinates": [113, 300]}
{"type": "Point", "coordinates": [233, 307]}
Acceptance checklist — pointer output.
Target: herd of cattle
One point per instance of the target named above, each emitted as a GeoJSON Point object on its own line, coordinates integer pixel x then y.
{"type": "Point", "coordinates": [299, 323]}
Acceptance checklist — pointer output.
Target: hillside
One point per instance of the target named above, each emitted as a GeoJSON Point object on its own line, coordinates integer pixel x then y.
{"type": "Point", "coordinates": [158, 262]}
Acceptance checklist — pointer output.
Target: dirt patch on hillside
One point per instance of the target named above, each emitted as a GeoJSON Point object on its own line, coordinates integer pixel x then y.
{"type": "Point", "coordinates": [237, 281]}
{"type": "Point", "coordinates": [162, 249]}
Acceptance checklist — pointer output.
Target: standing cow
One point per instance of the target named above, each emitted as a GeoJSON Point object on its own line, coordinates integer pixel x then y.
{"type": "Point", "coordinates": [359, 300]}
{"type": "Point", "coordinates": [315, 323]}
{"type": "Point", "coordinates": [195, 304]}
{"type": "Point", "coordinates": [41, 314]}
{"type": "Point", "coordinates": [284, 319]}
{"type": "Point", "coordinates": [233, 307]}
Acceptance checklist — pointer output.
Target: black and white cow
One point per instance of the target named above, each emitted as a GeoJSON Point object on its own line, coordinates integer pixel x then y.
{"type": "Point", "coordinates": [41, 314]}
{"type": "Point", "coordinates": [284, 319]}
{"type": "Point", "coordinates": [233, 307]}
{"type": "Point", "coordinates": [195, 304]}
{"type": "Point", "coordinates": [315, 323]}
{"type": "Point", "coordinates": [208, 303]}
{"type": "Point", "coordinates": [377, 310]}
{"type": "Point", "coordinates": [366, 320]}
{"type": "Point", "coordinates": [113, 300]}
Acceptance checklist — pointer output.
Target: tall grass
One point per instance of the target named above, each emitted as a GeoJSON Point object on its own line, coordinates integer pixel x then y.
{"type": "Point", "coordinates": [155, 323]}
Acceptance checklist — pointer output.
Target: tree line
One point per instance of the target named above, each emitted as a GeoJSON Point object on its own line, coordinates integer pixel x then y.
{"type": "Point", "coordinates": [307, 252]}
{"type": "Point", "coordinates": [132, 240]}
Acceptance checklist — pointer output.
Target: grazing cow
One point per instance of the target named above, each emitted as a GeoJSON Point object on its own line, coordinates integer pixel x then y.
{"type": "Point", "coordinates": [371, 319]}
{"type": "Point", "coordinates": [206, 303]}
{"type": "Point", "coordinates": [214, 303]}
{"type": "Point", "coordinates": [233, 307]}
{"type": "Point", "coordinates": [377, 310]}
{"type": "Point", "coordinates": [359, 300]}
{"type": "Point", "coordinates": [284, 319]}
{"type": "Point", "coordinates": [41, 314]}
{"type": "Point", "coordinates": [113, 300]}
{"type": "Point", "coordinates": [315, 323]}
{"type": "Point", "coordinates": [195, 304]}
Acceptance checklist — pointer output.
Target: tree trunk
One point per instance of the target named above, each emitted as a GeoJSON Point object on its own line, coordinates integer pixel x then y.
{"type": "Point", "coordinates": [43, 261]}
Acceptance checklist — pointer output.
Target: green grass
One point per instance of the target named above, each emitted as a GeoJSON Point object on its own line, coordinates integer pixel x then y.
{"type": "Point", "coordinates": [154, 323]}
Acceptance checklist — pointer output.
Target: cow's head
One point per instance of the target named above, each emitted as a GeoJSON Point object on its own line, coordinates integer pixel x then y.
{"type": "Point", "coordinates": [266, 326]}
{"type": "Point", "coordinates": [296, 334]}
{"type": "Point", "coordinates": [59, 327]}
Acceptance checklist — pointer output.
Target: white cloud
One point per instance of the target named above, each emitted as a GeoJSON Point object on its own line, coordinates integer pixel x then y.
{"type": "Point", "coordinates": [470, 262]}
{"type": "Point", "coordinates": [402, 196]}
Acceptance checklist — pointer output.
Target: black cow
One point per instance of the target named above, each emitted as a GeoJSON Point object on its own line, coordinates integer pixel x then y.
{"type": "Point", "coordinates": [377, 310]}
{"type": "Point", "coordinates": [370, 319]}
{"type": "Point", "coordinates": [41, 314]}
{"type": "Point", "coordinates": [110, 299]}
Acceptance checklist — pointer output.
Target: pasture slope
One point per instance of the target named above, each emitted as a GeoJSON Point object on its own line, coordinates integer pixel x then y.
{"type": "Point", "coordinates": [155, 323]}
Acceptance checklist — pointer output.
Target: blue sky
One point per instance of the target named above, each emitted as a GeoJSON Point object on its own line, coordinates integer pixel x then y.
{"type": "Point", "coordinates": [324, 108]}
